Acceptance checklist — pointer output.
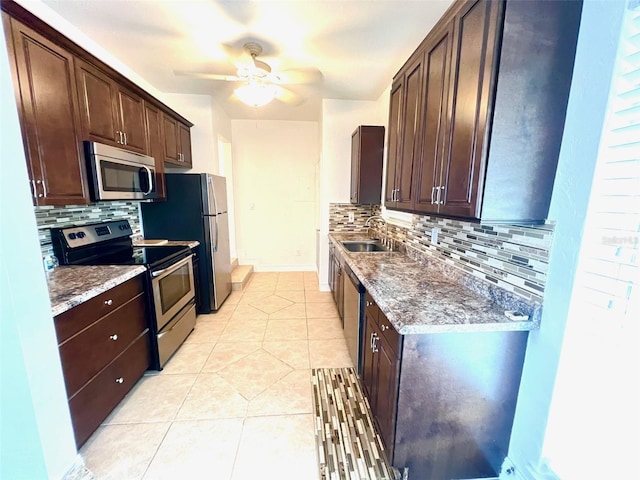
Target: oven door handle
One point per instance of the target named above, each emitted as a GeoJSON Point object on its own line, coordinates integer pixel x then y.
{"type": "Point", "coordinates": [172, 268]}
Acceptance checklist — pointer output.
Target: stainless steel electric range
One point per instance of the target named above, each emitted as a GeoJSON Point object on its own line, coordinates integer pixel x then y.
{"type": "Point", "coordinates": [169, 278]}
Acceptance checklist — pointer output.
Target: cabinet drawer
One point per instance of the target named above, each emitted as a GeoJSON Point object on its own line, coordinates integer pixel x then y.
{"type": "Point", "coordinates": [72, 321]}
{"type": "Point", "coordinates": [86, 353]}
{"type": "Point", "coordinates": [91, 405]}
{"type": "Point", "coordinates": [389, 333]}
{"type": "Point", "coordinates": [371, 307]}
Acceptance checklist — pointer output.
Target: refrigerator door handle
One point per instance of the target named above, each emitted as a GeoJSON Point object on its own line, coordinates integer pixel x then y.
{"type": "Point", "coordinates": [215, 200]}
{"type": "Point", "coordinates": [217, 230]}
{"type": "Point", "coordinates": [213, 225]}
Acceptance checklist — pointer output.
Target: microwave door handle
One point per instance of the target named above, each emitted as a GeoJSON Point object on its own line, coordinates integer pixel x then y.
{"type": "Point", "coordinates": [150, 178]}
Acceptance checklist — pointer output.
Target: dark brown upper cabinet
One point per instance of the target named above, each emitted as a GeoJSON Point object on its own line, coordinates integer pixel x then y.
{"type": "Point", "coordinates": [111, 113]}
{"type": "Point", "coordinates": [64, 96]}
{"type": "Point", "coordinates": [177, 142]}
{"type": "Point", "coordinates": [155, 145]}
{"type": "Point", "coordinates": [437, 61]}
{"type": "Point", "coordinates": [43, 76]}
{"type": "Point", "coordinates": [493, 94]}
{"type": "Point", "coordinates": [404, 113]}
{"type": "Point", "coordinates": [367, 147]}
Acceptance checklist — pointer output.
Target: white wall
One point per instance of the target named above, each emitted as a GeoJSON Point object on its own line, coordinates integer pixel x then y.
{"type": "Point", "coordinates": [587, 102]}
{"type": "Point", "coordinates": [339, 119]}
{"type": "Point", "coordinates": [36, 436]}
{"type": "Point", "coordinates": [274, 183]}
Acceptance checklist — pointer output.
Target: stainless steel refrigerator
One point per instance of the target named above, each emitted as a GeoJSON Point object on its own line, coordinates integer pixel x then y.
{"type": "Point", "coordinates": [196, 209]}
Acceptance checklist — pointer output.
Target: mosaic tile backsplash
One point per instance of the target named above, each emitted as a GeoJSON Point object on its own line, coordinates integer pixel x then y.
{"type": "Point", "coordinates": [48, 217]}
{"type": "Point", "coordinates": [513, 257]}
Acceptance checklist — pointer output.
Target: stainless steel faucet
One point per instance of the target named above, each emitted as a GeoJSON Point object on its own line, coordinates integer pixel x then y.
{"type": "Point", "coordinates": [366, 223]}
{"type": "Point", "coordinates": [385, 235]}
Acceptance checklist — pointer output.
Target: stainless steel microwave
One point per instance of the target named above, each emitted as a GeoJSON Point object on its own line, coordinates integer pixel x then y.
{"type": "Point", "coordinates": [117, 174]}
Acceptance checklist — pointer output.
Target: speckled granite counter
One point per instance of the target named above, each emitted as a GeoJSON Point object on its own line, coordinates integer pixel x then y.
{"type": "Point", "coordinates": [72, 285]}
{"type": "Point", "coordinates": [432, 296]}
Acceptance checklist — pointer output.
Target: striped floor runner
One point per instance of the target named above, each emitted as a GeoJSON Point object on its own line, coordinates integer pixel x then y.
{"type": "Point", "coordinates": [349, 448]}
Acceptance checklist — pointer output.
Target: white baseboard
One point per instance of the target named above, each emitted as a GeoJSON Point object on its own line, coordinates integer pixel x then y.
{"type": "Point", "coordinates": [512, 472]}
{"type": "Point", "coordinates": [78, 471]}
{"type": "Point", "coordinates": [311, 267]}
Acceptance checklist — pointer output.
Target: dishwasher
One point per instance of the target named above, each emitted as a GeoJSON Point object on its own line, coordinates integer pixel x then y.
{"type": "Point", "coordinates": [353, 313]}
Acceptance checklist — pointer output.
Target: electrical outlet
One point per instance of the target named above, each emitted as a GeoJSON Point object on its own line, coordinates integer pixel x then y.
{"type": "Point", "coordinates": [434, 235]}
{"type": "Point", "coordinates": [352, 217]}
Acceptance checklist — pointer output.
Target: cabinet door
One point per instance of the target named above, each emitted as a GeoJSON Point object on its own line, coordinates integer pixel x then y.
{"type": "Point", "coordinates": [49, 117]}
{"type": "Point", "coordinates": [369, 359]}
{"type": "Point", "coordinates": [475, 30]}
{"type": "Point", "coordinates": [355, 166]}
{"type": "Point", "coordinates": [171, 139]}
{"type": "Point", "coordinates": [436, 80]}
{"type": "Point", "coordinates": [155, 145]}
{"type": "Point", "coordinates": [185, 144]}
{"type": "Point", "coordinates": [131, 120]}
{"type": "Point", "coordinates": [393, 153]}
{"type": "Point", "coordinates": [411, 136]}
{"type": "Point", "coordinates": [386, 392]}
{"type": "Point", "coordinates": [97, 107]}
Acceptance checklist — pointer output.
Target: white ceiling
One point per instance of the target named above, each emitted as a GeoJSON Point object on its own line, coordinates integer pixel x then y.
{"type": "Point", "coordinates": [356, 45]}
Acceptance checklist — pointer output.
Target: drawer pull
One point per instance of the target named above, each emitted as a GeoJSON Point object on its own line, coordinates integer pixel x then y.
{"type": "Point", "coordinates": [114, 337]}
{"type": "Point", "coordinates": [383, 327]}
{"type": "Point", "coordinates": [368, 303]}
{"type": "Point", "coordinates": [108, 302]}
{"type": "Point", "coordinates": [120, 380]}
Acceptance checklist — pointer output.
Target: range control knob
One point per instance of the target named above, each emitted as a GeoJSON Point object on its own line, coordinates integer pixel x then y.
{"type": "Point", "coordinates": [81, 235]}
{"type": "Point", "coordinates": [72, 236]}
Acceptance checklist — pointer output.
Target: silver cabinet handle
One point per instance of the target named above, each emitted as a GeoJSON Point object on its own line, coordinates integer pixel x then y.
{"type": "Point", "coordinates": [113, 337]}
{"type": "Point", "coordinates": [108, 302]}
{"type": "Point", "coordinates": [40, 182]}
{"type": "Point", "coordinates": [374, 347]}
{"type": "Point", "coordinates": [118, 137]}
{"type": "Point", "coordinates": [383, 327]}
{"type": "Point", "coordinates": [441, 195]}
{"type": "Point", "coordinates": [119, 380]}
{"type": "Point", "coordinates": [368, 303]}
{"type": "Point", "coordinates": [433, 191]}
{"type": "Point", "coordinates": [125, 137]}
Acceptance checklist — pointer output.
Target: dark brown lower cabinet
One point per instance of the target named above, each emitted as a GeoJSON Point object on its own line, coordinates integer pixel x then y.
{"type": "Point", "coordinates": [104, 350]}
{"type": "Point", "coordinates": [443, 402]}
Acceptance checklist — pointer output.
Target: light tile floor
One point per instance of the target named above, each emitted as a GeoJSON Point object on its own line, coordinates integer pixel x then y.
{"type": "Point", "coordinates": [235, 402]}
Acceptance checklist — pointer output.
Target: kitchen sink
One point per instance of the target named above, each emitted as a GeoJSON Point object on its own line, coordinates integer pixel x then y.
{"type": "Point", "coordinates": [364, 246]}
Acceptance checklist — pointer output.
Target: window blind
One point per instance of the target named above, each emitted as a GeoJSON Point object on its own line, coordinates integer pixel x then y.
{"type": "Point", "coordinates": [610, 264]}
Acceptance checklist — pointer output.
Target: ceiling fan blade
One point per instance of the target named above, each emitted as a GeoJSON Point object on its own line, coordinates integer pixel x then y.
{"type": "Point", "coordinates": [207, 76]}
{"type": "Point", "coordinates": [289, 97]}
{"type": "Point", "coordinates": [299, 76]}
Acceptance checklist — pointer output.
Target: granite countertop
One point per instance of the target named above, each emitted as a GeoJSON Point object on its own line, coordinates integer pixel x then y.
{"type": "Point", "coordinates": [429, 297]}
{"type": "Point", "coordinates": [72, 285]}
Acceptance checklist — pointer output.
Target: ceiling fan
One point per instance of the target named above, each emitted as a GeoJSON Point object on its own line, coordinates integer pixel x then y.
{"type": "Point", "coordinates": [259, 85]}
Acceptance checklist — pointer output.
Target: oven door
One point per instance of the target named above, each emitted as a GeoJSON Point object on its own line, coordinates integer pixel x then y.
{"type": "Point", "coordinates": [173, 288]}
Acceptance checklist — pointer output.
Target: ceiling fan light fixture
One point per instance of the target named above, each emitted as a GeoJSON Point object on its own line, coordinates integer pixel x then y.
{"type": "Point", "coordinates": [256, 94]}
